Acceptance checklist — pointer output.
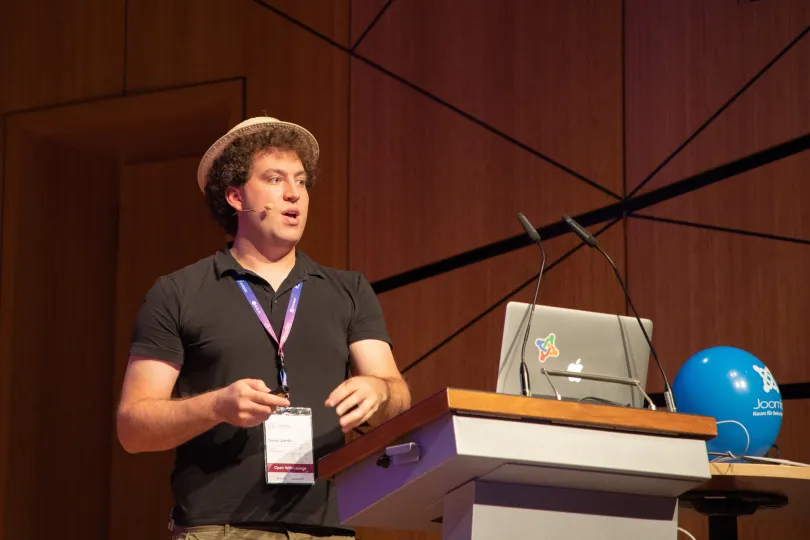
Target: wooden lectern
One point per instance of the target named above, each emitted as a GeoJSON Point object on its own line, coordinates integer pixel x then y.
{"type": "Point", "coordinates": [480, 465]}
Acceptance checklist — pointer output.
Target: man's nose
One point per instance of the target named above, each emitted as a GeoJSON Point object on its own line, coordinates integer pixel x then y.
{"type": "Point", "coordinates": [291, 192]}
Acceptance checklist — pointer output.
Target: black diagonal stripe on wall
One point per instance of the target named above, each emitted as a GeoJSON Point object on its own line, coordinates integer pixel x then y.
{"type": "Point", "coordinates": [789, 392]}
{"type": "Point", "coordinates": [725, 106]}
{"type": "Point", "coordinates": [503, 299]}
{"type": "Point", "coordinates": [722, 229]}
{"type": "Point", "coordinates": [370, 26]}
{"type": "Point", "coordinates": [536, 153]}
{"type": "Point", "coordinates": [613, 211]}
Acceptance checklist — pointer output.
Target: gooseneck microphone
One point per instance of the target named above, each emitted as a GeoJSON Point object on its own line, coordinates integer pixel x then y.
{"type": "Point", "coordinates": [525, 384]}
{"type": "Point", "coordinates": [590, 239]}
{"type": "Point", "coordinates": [267, 207]}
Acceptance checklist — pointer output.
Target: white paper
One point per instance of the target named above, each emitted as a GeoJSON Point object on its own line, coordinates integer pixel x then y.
{"type": "Point", "coordinates": [288, 447]}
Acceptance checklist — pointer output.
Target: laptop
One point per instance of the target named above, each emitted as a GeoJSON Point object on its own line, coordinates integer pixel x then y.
{"type": "Point", "coordinates": [578, 342]}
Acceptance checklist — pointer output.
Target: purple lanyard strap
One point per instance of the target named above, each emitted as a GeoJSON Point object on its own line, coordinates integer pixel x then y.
{"type": "Point", "coordinates": [289, 317]}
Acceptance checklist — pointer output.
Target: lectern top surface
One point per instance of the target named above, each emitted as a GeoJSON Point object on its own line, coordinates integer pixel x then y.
{"type": "Point", "coordinates": [516, 409]}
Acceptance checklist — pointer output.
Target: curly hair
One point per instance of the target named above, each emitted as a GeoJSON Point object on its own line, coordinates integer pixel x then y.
{"type": "Point", "coordinates": [232, 168]}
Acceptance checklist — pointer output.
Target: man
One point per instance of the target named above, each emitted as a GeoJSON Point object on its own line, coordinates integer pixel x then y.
{"type": "Point", "coordinates": [212, 339]}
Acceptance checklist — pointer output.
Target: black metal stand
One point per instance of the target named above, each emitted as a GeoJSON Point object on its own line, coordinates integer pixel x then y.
{"type": "Point", "coordinates": [723, 508]}
{"type": "Point", "coordinates": [723, 527]}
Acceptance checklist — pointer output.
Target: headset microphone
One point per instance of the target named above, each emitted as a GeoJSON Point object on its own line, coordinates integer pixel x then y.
{"type": "Point", "coordinates": [268, 206]}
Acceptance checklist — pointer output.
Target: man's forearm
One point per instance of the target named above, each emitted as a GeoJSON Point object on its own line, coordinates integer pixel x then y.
{"type": "Point", "coordinates": [154, 425]}
{"type": "Point", "coordinates": [399, 400]}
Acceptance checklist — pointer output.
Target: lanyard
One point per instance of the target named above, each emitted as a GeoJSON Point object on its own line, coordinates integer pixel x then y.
{"type": "Point", "coordinates": [289, 317]}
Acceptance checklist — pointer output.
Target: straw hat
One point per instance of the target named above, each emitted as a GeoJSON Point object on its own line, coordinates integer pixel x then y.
{"type": "Point", "coordinates": [248, 127]}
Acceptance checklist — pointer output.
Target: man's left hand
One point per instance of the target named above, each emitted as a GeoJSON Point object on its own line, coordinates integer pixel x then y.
{"type": "Point", "coordinates": [367, 393]}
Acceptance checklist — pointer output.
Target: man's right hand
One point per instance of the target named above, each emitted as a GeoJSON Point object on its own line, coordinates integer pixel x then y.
{"type": "Point", "coordinates": [246, 403]}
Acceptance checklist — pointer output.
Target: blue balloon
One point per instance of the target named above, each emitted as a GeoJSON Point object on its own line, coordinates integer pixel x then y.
{"type": "Point", "coordinates": [731, 384]}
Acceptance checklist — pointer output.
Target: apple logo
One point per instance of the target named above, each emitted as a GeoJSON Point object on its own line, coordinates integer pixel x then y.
{"type": "Point", "coordinates": [575, 368]}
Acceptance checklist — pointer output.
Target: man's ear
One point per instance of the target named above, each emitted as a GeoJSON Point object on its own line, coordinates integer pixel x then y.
{"type": "Point", "coordinates": [234, 198]}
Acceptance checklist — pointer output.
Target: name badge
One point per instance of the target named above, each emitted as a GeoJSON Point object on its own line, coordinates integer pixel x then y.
{"type": "Point", "coordinates": [288, 454]}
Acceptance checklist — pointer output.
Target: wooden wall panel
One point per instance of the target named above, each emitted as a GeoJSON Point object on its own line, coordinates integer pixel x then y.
{"type": "Point", "coordinates": [427, 184]}
{"type": "Point", "coordinates": [60, 242]}
{"type": "Point", "coordinates": [190, 119]}
{"type": "Point", "coordinates": [363, 13]}
{"type": "Point", "coordinates": [770, 200]}
{"type": "Point", "coordinates": [155, 199]}
{"type": "Point", "coordinates": [308, 84]}
{"type": "Point", "coordinates": [185, 42]}
{"type": "Point", "coordinates": [774, 110]}
{"type": "Point", "coordinates": [2, 171]}
{"type": "Point", "coordinates": [55, 52]}
{"type": "Point", "coordinates": [704, 288]}
{"type": "Point", "coordinates": [64, 205]}
{"type": "Point", "coordinates": [544, 72]}
{"type": "Point", "coordinates": [684, 60]}
{"type": "Point", "coordinates": [327, 17]}
{"type": "Point", "coordinates": [22, 149]}
{"type": "Point", "coordinates": [6, 365]}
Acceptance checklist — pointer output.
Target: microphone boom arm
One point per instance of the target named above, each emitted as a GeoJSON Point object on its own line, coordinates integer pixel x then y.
{"type": "Point", "coordinates": [668, 393]}
{"type": "Point", "coordinates": [590, 240]}
{"type": "Point", "coordinates": [525, 384]}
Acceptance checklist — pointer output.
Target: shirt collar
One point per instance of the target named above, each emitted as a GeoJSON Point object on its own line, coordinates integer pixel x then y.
{"type": "Point", "coordinates": [225, 263]}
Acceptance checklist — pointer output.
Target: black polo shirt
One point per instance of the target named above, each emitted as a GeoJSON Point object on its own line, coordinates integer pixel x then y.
{"type": "Point", "coordinates": [198, 318]}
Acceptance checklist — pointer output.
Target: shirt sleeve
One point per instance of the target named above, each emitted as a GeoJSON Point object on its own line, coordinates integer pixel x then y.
{"type": "Point", "coordinates": [156, 333]}
{"type": "Point", "coordinates": [367, 321]}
